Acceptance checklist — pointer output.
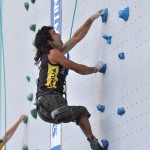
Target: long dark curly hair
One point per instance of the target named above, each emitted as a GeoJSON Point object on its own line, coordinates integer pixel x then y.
{"type": "Point", "coordinates": [41, 42]}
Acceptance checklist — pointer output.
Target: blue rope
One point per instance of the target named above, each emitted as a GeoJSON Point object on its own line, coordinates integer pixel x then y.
{"type": "Point", "coordinates": [68, 56]}
{"type": "Point", "coordinates": [3, 64]}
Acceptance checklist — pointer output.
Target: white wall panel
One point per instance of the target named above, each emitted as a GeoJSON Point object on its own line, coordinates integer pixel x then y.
{"type": "Point", "coordinates": [126, 82]}
{"type": "Point", "coordinates": [19, 62]}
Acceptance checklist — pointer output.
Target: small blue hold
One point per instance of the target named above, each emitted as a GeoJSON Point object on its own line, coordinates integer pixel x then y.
{"type": "Point", "coordinates": [105, 15]}
{"type": "Point", "coordinates": [105, 144]}
{"type": "Point", "coordinates": [101, 108]}
{"type": "Point", "coordinates": [103, 69]}
{"type": "Point", "coordinates": [121, 55]}
{"type": "Point", "coordinates": [68, 55]}
{"type": "Point", "coordinates": [124, 14]}
{"type": "Point", "coordinates": [121, 111]}
{"type": "Point", "coordinates": [107, 37]}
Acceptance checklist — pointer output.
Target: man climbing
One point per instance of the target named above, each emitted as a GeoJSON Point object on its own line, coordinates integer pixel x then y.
{"type": "Point", "coordinates": [10, 132]}
{"type": "Point", "coordinates": [52, 106]}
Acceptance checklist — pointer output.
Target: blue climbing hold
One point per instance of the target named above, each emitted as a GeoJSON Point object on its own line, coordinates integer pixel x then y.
{"type": "Point", "coordinates": [105, 15]}
{"type": "Point", "coordinates": [68, 55]}
{"type": "Point", "coordinates": [105, 144]}
{"type": "Point", "coordinates": [124, 14]}
{"type": "Point", "coordinates": [121, 55]}
{"type": "Point", "coordinates": [121, 111]}
{"type": "Point", "coordinates": [103, 69]}
{"type": "Point", "coordinates": [101, 108]}
{"type": "Point", "coordinates": [107, 38]}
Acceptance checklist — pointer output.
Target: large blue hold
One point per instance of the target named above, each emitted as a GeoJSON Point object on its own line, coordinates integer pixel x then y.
{"type": "Point", "coordinates": [124, 14]}
{"type": "Point", "coordinates": [105, 144]}
{"type": "Point", "coordinates": [105, 15]}
{"type": "Point", "coordinates": [103, 69]}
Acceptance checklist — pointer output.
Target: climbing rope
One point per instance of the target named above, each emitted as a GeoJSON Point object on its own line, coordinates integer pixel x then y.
{"type": "Point", "coordinates": [0, 73]}
{"type": "Point", "coordinates": [68, 56]}
{"type": "Point", "coordinates": [2, 65]}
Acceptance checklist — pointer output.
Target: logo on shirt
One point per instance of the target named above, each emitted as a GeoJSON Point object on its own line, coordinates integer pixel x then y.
{"type": "Point", "coordinates": [52, 76]}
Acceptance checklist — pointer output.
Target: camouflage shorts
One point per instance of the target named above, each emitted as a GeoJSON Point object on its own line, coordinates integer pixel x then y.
{"type": "Point", "coordinates": [54, 101]}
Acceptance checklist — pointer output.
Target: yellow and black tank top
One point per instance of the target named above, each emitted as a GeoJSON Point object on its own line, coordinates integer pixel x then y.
{"type": "Point", "coordinates": [51, 77]}
{"type": "Point", "coordinates": [1, 144]}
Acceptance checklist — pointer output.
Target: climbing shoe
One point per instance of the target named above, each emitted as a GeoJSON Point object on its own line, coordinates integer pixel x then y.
{"type": "Point", "coordinates": [95, 144]}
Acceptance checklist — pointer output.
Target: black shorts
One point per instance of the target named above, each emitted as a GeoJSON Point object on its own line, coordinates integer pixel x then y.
{"type": "Point", "coordinates": [54, 101]}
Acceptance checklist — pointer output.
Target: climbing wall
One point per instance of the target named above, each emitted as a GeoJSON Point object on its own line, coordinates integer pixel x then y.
{"type": "Point", "coordinates": [19, 54]}
{"type": "Point", "coordinates": [126, 83]}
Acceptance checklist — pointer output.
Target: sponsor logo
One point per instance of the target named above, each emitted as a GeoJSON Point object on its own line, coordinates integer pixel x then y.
{"type": "Point", "coordinates": [52, 76]}
{"type": "Point", "coordinates": [54, 130]}
{"type": "Point", "coordinates": [56, 15]}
